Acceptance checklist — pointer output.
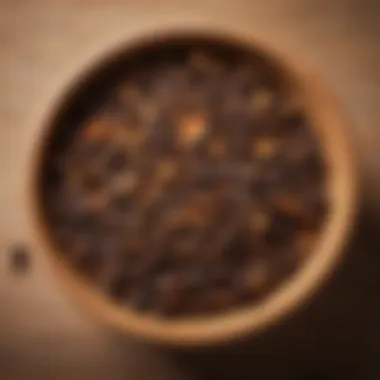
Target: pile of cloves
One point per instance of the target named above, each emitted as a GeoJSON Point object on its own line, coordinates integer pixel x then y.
{"type": "Point", "coordinates": [196, 187]}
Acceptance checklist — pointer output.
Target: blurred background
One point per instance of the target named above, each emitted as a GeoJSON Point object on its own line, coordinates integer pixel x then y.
{"type": "Point", "coordinates": [42, 336]}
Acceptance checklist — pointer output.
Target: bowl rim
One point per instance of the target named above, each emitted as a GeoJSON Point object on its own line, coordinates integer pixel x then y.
{"type": "Point", "coordinates": [291, 294]}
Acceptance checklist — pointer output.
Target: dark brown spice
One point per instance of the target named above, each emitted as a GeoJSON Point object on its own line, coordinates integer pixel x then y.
{"type": "Point", "coordinates": [19, 259]}
{"type": "Point", "coordinates": [202, 191]}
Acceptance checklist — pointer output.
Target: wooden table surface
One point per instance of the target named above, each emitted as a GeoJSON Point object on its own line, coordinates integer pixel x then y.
{"type": "Point", "coordinates": [42, 45]}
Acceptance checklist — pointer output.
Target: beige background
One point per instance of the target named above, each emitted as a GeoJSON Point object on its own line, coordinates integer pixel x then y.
{"type": "Point", "coordinates": [43, 44]}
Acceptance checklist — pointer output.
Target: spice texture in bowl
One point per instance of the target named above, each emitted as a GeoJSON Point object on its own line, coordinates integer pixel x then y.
{"type": "Point", "coordinates": [184, 182]}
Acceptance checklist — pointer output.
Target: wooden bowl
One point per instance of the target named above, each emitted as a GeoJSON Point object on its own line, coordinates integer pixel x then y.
{"type": "Point", "coordinates": [330, 127]}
